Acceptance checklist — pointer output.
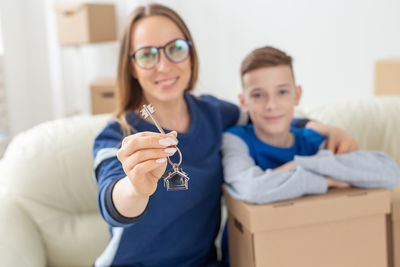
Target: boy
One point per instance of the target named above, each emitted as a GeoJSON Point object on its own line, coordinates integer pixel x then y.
{"type": "Point", "coordinates": [270, 160]}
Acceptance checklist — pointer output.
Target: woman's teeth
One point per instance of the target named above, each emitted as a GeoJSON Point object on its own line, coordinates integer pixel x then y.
{"type": "Point", "coordinates": [167, 82]}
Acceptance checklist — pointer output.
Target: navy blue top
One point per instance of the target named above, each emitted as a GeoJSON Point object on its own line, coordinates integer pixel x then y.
{"type": "Point", "coordinates": [178, 228]}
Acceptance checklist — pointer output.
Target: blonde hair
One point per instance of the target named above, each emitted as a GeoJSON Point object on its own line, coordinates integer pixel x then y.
{"type": "Point", "coordinates": [129, 92]}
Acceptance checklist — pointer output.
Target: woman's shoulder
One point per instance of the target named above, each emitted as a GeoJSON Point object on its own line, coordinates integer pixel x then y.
{"type": "Point", "coordinates": [228, 113]}
{"type": "Point", "coordinates": [112, 127]}
{"type": "Point", "coordinates": [207, 100]}
{"type": "Point", "coordinates": [203, 98]}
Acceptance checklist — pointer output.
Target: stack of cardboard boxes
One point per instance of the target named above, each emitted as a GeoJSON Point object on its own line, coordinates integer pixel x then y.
{"type": "Point", "coordinates": [88, 23]}
{"type": "Point", "coordinates": [346, 228]}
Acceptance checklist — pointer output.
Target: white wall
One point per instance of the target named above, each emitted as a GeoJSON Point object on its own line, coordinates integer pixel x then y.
{"type": "Point", "coordinates": [1, 40]}
{"type": "Point", "coordinates": [334, 44]}
{"type": "Point", "coordinates": [26, 67]}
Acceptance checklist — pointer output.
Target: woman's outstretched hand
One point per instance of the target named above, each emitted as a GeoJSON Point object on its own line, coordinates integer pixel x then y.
{"type": "Point", "coordinates": [144, 159]}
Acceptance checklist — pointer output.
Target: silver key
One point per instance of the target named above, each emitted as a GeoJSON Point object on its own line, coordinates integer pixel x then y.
{"type": "Point", "coordinates": [147, 111]}
{"type": "Point", "coordinates": [175, 178]}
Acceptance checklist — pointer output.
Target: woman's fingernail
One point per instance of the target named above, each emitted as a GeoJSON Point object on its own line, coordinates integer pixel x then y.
{"type": "Point", "coordinates": [173, 136]}
{"type": "Point", "coordinates": [162, 160]}
{"type": "Point", "coordinates": [170, 150]}
{"type": "Point", "coordinates": [175, 140]}
{"type": "Point", "coordinates": [168, 141]}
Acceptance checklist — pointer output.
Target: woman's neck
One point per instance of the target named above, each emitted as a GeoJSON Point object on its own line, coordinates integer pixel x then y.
{"type": "Point", "coordinates": [173, 115]}
{"type": "Point", "coordinates": [283, 140]}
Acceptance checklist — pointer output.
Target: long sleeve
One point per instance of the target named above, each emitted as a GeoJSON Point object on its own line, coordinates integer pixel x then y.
{"type": "Point", "coordinates": [368, 169]}
{"type": "Point", "coordinates": [107, 172]}
{"type": "Point", "coordinates": [246, 181]}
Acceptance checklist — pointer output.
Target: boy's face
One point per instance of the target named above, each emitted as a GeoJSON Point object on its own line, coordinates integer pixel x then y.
{"type": "Point", "coordinates": [269, 97]}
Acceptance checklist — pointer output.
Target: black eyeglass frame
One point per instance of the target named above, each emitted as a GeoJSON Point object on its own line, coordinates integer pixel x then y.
{"type": "Point", "coordinates": [132, 55]}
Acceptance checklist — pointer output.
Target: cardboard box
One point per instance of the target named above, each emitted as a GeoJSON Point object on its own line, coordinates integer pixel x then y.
{"type": "Point", "coordinates": [85, 23]}
{"type": "Point", "coordinates": [387, 77]}
{"type": "Point", "coordinates": [345, 228]}
{"type": "Point", "coordinates": [103, 96]}
{"type": "Point", "coordinates": [394, 229]}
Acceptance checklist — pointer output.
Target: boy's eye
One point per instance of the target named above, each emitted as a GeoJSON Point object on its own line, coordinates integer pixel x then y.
{"type": "Point", "coordinates": [283, 91]}
{"type": "Point", "coordinates": [256, 95]}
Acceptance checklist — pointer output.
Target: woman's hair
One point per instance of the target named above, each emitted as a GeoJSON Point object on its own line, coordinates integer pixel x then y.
{"type": "Point", "coordinates": [129, 92]}
{"type": "Point", "coordinates": [265, 57]}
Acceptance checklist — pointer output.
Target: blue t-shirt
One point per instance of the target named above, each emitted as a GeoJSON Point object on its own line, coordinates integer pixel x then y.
{"type": "Point", "coordinates": [306, 143]}
{"type": "Point", "coordinates": [178, 228]}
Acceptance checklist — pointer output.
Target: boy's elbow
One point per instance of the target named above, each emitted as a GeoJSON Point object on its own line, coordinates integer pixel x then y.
{"type": "Point", "coordinates": [392, 183]}
{"type": "Point", "coordinates": [395, 177]}
{"type": "Point", "coordinates": [391, 171]}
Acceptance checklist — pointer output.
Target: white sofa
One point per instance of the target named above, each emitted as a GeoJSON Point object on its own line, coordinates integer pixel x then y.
{"type": "Point", "coordinates": [48, 202]}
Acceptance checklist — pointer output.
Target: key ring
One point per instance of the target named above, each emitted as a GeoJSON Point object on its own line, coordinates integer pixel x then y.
{"type": "Point", "coordinates": [176, 165]}
{"type": "Point", "coordinates": [176, 178]}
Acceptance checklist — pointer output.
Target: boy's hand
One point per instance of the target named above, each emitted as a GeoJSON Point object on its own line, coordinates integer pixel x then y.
{"type": "Point", "coordinates": [334, 183]}
{"type": "Point", "coordinates": [339, 142]}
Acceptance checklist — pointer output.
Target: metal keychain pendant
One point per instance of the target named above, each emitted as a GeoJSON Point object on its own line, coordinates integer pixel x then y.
{"type": "Point", "coordinates": [175, 178]}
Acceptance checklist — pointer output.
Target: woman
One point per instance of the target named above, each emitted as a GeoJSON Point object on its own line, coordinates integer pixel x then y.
{"type": "Point", "coordinates": [158, 65]}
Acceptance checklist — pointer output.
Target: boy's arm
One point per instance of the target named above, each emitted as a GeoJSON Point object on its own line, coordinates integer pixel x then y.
{"type": "Point", "coordinates": [368, 169]}
{"type": "Point", "coordinates": [248, 182]}
{"type": "Point", "coordinates": [339, 141]}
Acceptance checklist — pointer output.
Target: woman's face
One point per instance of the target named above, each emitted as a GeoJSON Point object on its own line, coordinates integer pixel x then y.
{"type": "Point", "coordinates": [167, 81]}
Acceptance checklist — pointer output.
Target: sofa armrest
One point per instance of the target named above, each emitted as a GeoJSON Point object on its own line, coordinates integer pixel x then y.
{"type": "Point", "coordinates": [20, 242]}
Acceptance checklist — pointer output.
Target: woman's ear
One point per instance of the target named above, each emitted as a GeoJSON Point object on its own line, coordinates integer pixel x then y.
{"type": "Point", "coordinates": [299, 92]}
{"type": "Point", "coordinates": [242, 102]}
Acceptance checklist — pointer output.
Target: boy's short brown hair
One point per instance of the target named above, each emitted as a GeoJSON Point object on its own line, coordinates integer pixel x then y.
{"type": "Point", "coordinates": [265, 57]}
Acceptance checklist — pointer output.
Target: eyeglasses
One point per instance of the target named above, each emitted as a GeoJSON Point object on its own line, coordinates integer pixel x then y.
{"type": "Point", "coordinates": [147, 57]}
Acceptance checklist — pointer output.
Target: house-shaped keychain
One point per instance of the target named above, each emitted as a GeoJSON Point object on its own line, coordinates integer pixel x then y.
{"type": "Point", "coordinates": [176, 179]}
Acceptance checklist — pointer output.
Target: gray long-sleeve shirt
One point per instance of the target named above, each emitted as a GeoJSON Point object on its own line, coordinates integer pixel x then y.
{"type": "Point", "coordinates": [246, 181]}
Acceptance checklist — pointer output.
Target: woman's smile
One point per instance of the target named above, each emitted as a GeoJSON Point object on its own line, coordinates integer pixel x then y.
{"type": "Point", "coordinates": [167, 83]}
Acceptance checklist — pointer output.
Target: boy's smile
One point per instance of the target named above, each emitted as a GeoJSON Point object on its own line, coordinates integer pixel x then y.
{"type": "Point", "coordinates": [269, 97]}
{"type": "Point", "coordinates": [273, 118]}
